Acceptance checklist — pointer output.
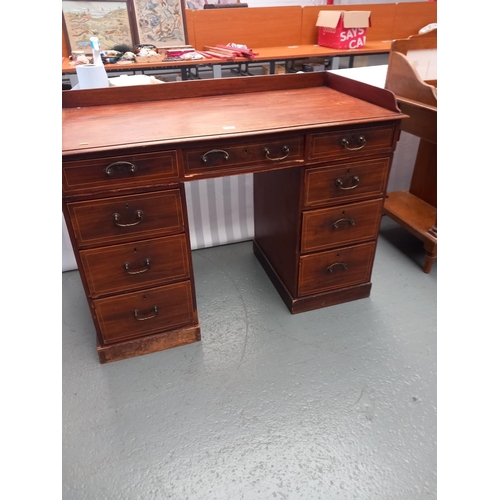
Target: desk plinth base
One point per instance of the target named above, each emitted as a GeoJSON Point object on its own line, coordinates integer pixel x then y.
{"type": "Point", "coordinates": [311, 302]}
{"type": "Point", "coordinates": [147, 345]}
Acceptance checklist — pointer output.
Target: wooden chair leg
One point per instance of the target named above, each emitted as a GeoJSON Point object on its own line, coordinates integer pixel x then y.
{"type": "Point", "coordinates": [430, 248]}
{"type": "Point", "coordinates": [429, 261]}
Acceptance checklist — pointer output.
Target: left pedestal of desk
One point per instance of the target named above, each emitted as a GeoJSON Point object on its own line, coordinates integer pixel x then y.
{"type": "Point", "coordinates": [127, 220]}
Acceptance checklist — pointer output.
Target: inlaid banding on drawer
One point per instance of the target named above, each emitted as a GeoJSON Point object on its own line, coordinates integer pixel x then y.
{"type": "Point", "coordinates": [129, 266]}
{"type": "Point", "coordinates": [117, 172]}
{"type": "Point", "coordinates": [351, 143]}
{"type": "Point", "coordinates": [145, 313]}
{"type": "Point", "coordinates": [344, 225]}
{"type": "Point", "coordinates": [125, 218]}
{"type": "Point", "coordinates": [346, 266]}
{"type": "Point", "coordinates": [347, 182]}
{"type": "Point", "coordinates": [238, 155]}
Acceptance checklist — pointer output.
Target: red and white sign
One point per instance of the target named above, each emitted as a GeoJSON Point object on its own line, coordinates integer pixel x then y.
{"type": "Point", "coordinates": [339, 29]}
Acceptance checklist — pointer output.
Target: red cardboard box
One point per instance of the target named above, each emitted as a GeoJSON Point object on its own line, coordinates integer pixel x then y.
{"type": "Point", "coordinates": [343, 29]}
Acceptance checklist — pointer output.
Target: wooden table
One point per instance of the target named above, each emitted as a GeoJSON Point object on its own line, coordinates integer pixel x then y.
{"type": "Point", "coordinates": [320, 147]}
{"type": "Point", "coordinates": [271, 55]}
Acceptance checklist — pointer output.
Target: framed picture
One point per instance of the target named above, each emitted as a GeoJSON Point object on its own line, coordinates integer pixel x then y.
{"type": "Point", "coordinates": [160, 22]}
{"type": "Point", "coordinates": [108, 20]}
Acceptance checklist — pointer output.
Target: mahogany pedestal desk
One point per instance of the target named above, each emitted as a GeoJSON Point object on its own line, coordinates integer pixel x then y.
{"type": "Point", "coordinates": [320, 147]}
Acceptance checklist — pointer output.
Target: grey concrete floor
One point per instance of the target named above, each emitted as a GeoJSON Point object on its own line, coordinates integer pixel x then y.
{"type": "Point", "coordinates": [338, 403]}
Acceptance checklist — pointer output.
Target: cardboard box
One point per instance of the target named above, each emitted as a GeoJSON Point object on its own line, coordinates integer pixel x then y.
{"type": "Point", "coordinates": [343, 29]}
{"type": "Point", "coordinates": [313, 67]}
{"type": "Point", "coordinates": [149, 59]}
{"type": "Point", "coordinates": [279, 69]}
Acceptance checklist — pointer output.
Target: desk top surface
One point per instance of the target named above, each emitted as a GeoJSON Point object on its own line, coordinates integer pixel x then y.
{"type": "Point", "coordinates": [304, 101]}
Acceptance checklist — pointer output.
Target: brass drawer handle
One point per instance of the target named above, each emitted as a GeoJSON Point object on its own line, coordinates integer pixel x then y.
{"type": "Point", "coordinates": [204, 158]}
{"type": "Point", "coordinates": [335, 225]}
{"type": "Point", "coordinates": [120, 166]}
{"type": "Point", "coordinates": [147, 263]}
{"type": "Point", "coordinates": [285, 150]}
{"type": "Point", "coordinates": [138, 214]}
{"type": "Point", "coordinates": [340, 183]}
{"type": "Point", "coordinates": [331, 268]}
{"type": "Point", "coordinates": [361, 140]}
{"type": "Point", "coordinates": [144, 318]}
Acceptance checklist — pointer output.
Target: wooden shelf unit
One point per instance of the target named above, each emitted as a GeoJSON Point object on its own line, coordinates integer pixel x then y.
{"type": "Point", "coordinates": [416, 208]}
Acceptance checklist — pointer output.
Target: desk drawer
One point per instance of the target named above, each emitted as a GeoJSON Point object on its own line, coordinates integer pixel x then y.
{"type": "Point", "coordinates": [233, 155]}
{"type": "Point", "coordinates": [145, 313]}
{"type": "Point", "coordinates": [129, 266]}
{"type": "Point", "coordinates": [119, 172]}
{"type": "Point", "coordinates": [335, 269]}
{"type": "Point", "coordinates": [351, 143]}
{"type": "Point", "coordinates": [343, 225]}
{"type": "Point", "coordinates": [125, 218]}
{"type": "Point", "coordinates": [348, 182]}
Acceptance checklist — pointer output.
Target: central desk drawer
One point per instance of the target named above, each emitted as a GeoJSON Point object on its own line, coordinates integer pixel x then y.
{"type": "Point", "coordinates": [347, 266]}
{"type": "Point", "coordinates": [347, 182]}
{"type": "Point", "coordinates": [344, 225]}
{"type": "Point", "coordinates": [145, 313]}
{"type": "Point", "coordinates": [141, 264]}
{"type": "Point", "coordinates": [233, 155]}
{"type": "Point", "coordinates": [118, 172]}
{"type": "Point", "coordinates": [125, 218]}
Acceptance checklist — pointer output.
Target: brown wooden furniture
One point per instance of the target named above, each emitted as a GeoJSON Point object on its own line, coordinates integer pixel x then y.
{"type": "Point", "coordinates": [415, 209]}
{"type": "Point", "coordinates": [411, 17]}
{"type": "Point", "coordinates": [285, 33]}
{"type": "Point", "coordinates": [320, 147]}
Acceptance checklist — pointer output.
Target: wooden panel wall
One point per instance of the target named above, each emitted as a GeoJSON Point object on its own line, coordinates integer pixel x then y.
{"type": "Point", "coordinates": [410, 17]}
{"type": "Point", "coordinates": [253, 27]}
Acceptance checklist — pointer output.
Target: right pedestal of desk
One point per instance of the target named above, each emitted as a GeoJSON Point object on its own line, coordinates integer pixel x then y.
{"type": "Point", "coordinates": [316, 227]}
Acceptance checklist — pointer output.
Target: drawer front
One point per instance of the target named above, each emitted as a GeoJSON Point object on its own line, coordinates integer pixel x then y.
{"type": "Point", "coordinates": [343, 225]}
{"type": "Point", "coordinates": [324, 271]}
{"type": "Point", "coordinates": [351, 143]}
{"type": "Point", "coordinates": [119, 172]}
{"type": "Point", "coordinates": [348, 182]}
{"type": "Point", "coordinates": [125, 218]}
{"type": "Point", "coordinates": [130, 266]}
{"type": "Point", "coordinates": [145, 313]}
{"type": "Point", "coordinates": [237, 155]}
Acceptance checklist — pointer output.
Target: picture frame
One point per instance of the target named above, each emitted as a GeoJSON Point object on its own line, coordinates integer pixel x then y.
{"type": "Point", "coordinates": [161, 23]}
{"type": "Point", "coordinates": [108, 20]}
